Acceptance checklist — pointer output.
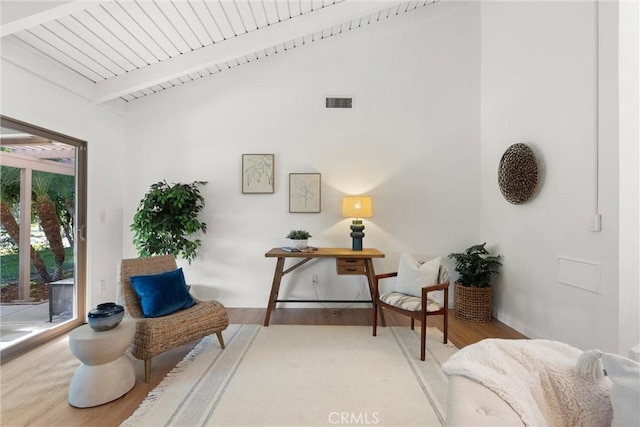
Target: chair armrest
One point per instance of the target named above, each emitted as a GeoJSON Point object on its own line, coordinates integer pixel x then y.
{"type": "Point", "coordinates": [377, 277]}
{"type": "Point", "coordinates": [439, 287]}
{"type": "Point", "coordinates": [386, 275]}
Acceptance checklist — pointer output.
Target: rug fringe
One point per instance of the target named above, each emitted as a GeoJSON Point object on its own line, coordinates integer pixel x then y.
{"type": "Point", "coordinates": [432, 330]}
{"type": "Point", "coordinates": [167, 381]}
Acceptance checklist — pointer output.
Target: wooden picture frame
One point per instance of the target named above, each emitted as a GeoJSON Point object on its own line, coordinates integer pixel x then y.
{"type": "Point", "coordinates": [258, 175]}
{"type": "Point", "coordinates": [304, 192]}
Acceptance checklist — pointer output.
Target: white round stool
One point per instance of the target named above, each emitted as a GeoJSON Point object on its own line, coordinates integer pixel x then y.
{"type": "Point", "coordinates": [106, 373]}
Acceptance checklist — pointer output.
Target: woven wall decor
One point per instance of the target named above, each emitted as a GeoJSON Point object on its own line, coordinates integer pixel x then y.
{"type": "Point", "coordinates": [518, 174]}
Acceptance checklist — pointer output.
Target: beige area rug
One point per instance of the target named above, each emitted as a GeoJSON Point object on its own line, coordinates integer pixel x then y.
{"type": "Point", "coordinates": [292, 375]}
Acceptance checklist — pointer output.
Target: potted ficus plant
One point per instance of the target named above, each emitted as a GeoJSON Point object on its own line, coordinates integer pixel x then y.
{"type": "Point", "coordinates": [167, 218]}
{"type": "Point", "coordinates": [298, 239]}
{"type": "Point", "coordinates": [472, 297]}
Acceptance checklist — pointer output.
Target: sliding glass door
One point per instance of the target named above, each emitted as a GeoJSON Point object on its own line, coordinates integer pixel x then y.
{"type": "Point", "coordinates": [42, 234]}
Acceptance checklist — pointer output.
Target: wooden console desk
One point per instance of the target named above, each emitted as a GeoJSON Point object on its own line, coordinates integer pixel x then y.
{"type": "Point", "coordinates": [347, 262]}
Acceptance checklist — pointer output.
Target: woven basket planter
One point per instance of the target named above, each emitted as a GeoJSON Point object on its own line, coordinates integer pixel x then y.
{"type": "Point", "coordinates": [472, 304]}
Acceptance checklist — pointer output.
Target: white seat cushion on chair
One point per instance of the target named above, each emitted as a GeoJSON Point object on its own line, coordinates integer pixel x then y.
{"type": "Point", "coordinates": [413, 275]}
{"type": "Point", "coordinates": [408, 302]}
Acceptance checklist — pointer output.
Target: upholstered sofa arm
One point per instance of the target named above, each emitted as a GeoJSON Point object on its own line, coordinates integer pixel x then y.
{"type": "Point", "coordinates": [469, 403]}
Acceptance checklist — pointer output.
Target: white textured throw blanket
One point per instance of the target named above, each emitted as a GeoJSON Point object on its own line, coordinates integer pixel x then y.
{"type": "Point", "coordinates": [538, 379]}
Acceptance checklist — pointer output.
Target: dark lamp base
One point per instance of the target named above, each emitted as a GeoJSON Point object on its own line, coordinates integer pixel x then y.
{"type": "Point", "coordinates": [356, 234]}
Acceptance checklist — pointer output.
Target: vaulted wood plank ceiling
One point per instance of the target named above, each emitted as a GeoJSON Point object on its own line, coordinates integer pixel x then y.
{"type": "Point", "coordinates": [129, 49]}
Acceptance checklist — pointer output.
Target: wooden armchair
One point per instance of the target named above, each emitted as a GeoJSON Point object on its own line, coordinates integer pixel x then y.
{"type": "Point", "coordinates": [159, 334]}
{"type": "Point", "coordinates": [417, 308]}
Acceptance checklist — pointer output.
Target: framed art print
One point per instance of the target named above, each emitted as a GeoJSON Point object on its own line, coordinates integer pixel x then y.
{"type": "Point", "coordinates": [258, 174]}
{"type": "Point", "coordinates": [304, 192]}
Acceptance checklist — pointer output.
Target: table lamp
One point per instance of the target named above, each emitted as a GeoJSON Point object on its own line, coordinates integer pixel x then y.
{"type": "Point", "coordinates": [357, 207]}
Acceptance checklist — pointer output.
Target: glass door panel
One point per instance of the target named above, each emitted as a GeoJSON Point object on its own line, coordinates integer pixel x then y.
{"type": "Point", "coordinates": [41, 252]}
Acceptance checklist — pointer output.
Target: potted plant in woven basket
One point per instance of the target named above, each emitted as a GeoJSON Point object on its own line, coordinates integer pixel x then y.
{"type": "Point", "coordinates": [472, 298]}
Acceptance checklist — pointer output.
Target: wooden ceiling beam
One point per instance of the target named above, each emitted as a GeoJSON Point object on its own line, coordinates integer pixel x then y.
{"type": "Point", "coordinates": [48, 154]}
{"type": "Point", "coordinates": [236, 47]}
{"type": "Point", "coordinates": [21, 15]}
{"type": "Point", "coordinates": [17, 53]}
{"type": "Point", "coordinates": [28, 162]}
{"type": "Point", "coordinates": [24, 140]}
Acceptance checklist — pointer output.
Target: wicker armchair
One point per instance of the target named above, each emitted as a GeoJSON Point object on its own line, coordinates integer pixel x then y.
{"type": "Point", "coordinates": [159, 334]}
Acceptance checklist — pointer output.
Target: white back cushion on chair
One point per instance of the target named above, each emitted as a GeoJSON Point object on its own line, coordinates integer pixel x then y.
{"type": "Point", "coordinates": [413, 275]}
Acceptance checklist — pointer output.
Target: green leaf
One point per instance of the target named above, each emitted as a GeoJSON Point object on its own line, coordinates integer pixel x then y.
{"type": "Point", "coordinates": [167, 218]}
{"type": "Point", "coordinates": [476, 266]}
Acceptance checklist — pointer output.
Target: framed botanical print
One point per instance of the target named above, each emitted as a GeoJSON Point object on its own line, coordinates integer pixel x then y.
{"type": "Point", "coordinates": [258, 173]}
{"type": "Point", "coordinates": [304, 192]}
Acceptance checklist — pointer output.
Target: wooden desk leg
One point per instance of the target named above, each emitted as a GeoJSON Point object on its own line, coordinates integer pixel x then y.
{"type": "Point", "coordinates": [275, 287]}
{"type": "Point", "coordinates": [371, 277]}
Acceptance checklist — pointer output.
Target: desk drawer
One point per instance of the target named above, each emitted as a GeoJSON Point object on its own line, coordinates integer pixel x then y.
{"type": "Point", "coordinates": [350, 266]}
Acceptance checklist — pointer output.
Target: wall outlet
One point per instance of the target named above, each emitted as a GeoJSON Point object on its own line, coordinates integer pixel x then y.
{"type": "Point", "coordinates": [103, 285]}
{"type": "Point", "coordinates": [595, 222]}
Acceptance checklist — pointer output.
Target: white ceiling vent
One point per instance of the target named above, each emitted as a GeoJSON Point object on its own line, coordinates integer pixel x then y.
{"type": "Point", "coordinates": [339, 103]}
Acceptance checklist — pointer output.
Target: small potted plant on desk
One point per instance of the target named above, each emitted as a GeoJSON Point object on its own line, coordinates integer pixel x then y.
{"type": "Point", "coordinates": [298, 239]}
{"type": "Point", "coordinates": [472, 299]}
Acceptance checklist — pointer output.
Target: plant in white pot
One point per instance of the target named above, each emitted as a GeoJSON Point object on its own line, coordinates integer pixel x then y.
{"type": "Point", "coordinates": [298, 239]}
{"type": "Point", "coordinates": [472, 298]}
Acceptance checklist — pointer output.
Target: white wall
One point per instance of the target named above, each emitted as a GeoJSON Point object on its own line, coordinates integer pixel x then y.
{"type": "Point", "coordinates": [412, 142]}
{"type": "Point", "coordinates": [431, 116]}
{"type": "Point", "coordinates": [539, 87]}
{"type": "Point", "coordinates": [33, 100]}
{"type": "Point", "coordinates": [629, 72]}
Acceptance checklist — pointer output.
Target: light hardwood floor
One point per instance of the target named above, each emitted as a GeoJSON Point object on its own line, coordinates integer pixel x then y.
{"type": "Point", "coordinates": [34, 385]}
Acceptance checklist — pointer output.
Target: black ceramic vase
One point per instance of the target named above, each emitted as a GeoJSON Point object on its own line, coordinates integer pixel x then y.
{"type": "Point", "coordinates": [105, 316]}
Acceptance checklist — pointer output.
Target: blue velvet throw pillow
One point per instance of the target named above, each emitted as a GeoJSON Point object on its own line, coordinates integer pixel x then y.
{"type": "Point", "coordinates": [162, 294]}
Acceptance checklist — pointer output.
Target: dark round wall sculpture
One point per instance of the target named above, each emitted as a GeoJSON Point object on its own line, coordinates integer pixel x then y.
{"type": "Point", "coordinates": [518, 174]}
